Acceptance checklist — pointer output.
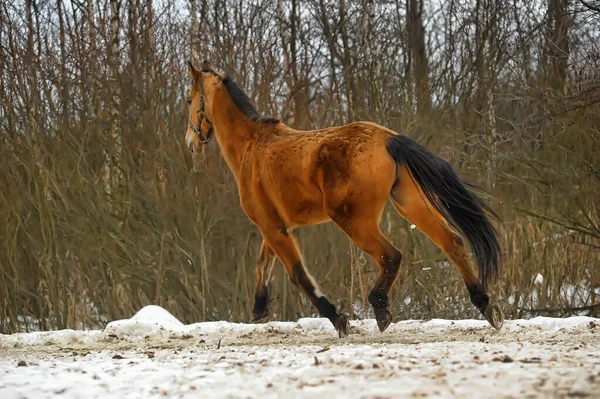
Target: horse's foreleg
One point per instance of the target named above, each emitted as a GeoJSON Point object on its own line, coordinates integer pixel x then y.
{"type": "Point", "coordinates": [287, 251]}
{"type": "Point", "coordinates": [264, 265]}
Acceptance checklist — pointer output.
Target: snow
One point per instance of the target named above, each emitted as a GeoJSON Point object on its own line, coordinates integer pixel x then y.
{"type": "Point", "coordinates": [539, 279]}
{"type": "Point", "coordinates": [155, 355]}
{"type": "Point", "coordinates": [148, 320]}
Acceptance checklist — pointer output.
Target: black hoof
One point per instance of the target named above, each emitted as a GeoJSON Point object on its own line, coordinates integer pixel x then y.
{"type": "Point", "coordinates": [259, 317]}
{"type": "Point", "coordinates": [261, 305]}
{"type": "Point", "coordinates": [342, 325]}
{"type": "Point", "coordinates": [494, 316]}
{"type": "Point", "coordinates": [384, 319]}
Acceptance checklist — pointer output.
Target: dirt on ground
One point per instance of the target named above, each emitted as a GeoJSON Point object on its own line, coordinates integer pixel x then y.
{"type": "Point", "coordinates": [269, 361]}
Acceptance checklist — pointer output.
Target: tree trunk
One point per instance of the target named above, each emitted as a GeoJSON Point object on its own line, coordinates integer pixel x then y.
{"type": "Point", "coordinates": [150, 46]}
{"type": "Point", "coordinates": [6, 85]}
{"type": "Point", "coordinates": [416, 41]}
{"type": "Point", "coordinates": [112, 176]}
{"type": "Point", "coordinates": [331, 39]}
{"type": "Point", "coordinates": [194, 32]}
{"type": "Point", "coordinates": [288, 28]}
{"type": "Point", "coordinates": [31, 59]}
{"type": "Point", "coordinates": [485, 61]}
{"type": "Point", "coordinates": [91, 72]}
{"type": "Point", "coordinates": [132, 33]}
{"type": "Point", "coordinates": [556, 60]}
{"type": "Point", "coordinates": [368, 90]}
{"type": "Point", "coordinates": [64, 97]}
{"type": "Point", "coordinates": [347, 64]}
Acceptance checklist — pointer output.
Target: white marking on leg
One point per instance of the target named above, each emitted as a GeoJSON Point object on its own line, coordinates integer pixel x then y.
{"type": "Point", "coordinates": [316, 289]}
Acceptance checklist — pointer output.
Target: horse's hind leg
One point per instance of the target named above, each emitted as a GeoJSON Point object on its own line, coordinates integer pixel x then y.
{"type": "Point", "coordinates": [365, 233]}
{"type": "Point", "coordinates": [264, 265]}
{"type": "Point", "coordinates": [287, 251]}
{"type": "Point", "coordinates": [434, 226]}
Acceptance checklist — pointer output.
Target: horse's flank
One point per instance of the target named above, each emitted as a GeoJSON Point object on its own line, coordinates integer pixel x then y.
{"type": "Point", "coordinates": [309, 174]}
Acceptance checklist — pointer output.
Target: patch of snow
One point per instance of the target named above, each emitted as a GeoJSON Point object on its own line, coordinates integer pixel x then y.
{"type": "Point", "coordinates": [62, 337]}
{"type": "Point", "coordinates": [315, 324]}
{"type": "Point", "coordinates": [579, 295]}
{"type": "Point", "coordinates": [158, 356]}
{"type": "Point", "coordinates": [156, 321]}
{"type": "Point", "coordinates": [146, 321]}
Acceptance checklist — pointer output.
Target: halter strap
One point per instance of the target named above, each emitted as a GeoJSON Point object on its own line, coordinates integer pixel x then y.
{"type": "Point", "coordinates": [203, 117]}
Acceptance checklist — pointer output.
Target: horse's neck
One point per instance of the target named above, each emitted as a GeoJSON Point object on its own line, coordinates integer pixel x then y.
{"type": "Point", "coordinates": [234, 130]}
{"type": "Point", "coordinates": [233, 153]}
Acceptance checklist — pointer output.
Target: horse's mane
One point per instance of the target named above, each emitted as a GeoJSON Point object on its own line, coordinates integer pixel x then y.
{"type": "Point", "coordinates": [242, 101]}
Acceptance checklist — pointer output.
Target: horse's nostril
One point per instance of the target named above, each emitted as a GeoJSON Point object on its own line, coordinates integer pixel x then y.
{"type": "Point", "coordinates": [191, 147]}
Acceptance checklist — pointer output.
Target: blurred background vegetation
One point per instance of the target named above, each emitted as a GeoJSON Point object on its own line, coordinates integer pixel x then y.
{"type": "Point", "coordinates": [103, 210]}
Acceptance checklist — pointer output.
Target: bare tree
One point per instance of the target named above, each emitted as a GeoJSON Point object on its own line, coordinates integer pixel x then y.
{"type": "Point", "coordinates": [194, 31]}
{"type": "Point", "coordinates": [418, 57]}
{"type": "Point", "coordinates": [485, 63]}
{"type": "Point", "coordinates": [556, 50]}
{"type": "Point", "coordinates": [112, 175]}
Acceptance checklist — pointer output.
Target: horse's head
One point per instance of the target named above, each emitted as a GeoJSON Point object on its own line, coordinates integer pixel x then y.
{"type": "Point", "coordinates": [200, 127]}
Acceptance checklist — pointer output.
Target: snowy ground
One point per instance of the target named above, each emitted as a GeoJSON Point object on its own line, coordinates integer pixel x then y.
{"type": "Point", "coordinates": [154, 355]}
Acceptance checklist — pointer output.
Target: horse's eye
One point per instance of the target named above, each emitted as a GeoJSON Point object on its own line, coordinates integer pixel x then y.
{"type": "Point", "coordinates": [189, 101]}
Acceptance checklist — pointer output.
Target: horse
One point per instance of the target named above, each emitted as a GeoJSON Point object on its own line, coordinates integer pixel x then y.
{"type": "Point", "coordinates": [288, 178]}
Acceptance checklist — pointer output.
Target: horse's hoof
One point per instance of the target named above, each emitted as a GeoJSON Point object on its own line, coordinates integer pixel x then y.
{"type": "Point", "coordinates": [259, 317]}
{"type": "Point", "coordinates": [342, 325]}
{"type": "Point", "coordinates": [384, 319]}
{"type": "Point", "coordinates": [494, 316]}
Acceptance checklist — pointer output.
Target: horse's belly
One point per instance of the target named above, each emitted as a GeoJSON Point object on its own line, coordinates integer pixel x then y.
{"type": "Point", "coordinates": [300, 209]}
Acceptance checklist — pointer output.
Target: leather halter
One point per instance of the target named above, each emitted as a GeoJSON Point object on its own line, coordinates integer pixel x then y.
{"type": "Point", "coordinates": [203, 117]}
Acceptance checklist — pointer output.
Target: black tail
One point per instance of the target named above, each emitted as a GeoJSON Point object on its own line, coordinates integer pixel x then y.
{"type": "Point", "coordinates": [455, 200]}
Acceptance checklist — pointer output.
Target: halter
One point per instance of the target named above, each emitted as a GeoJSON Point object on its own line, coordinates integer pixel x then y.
{"type": "Point", "coordinates": [203, 116]}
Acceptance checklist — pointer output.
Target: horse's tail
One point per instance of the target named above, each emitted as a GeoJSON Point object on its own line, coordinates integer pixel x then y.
{"type": "Point", "coordinates": [455, 200]}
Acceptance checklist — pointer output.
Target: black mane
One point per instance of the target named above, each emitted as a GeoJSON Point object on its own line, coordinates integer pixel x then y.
{"type": "Point", "coordinates": [243, 102]}
{"type": "Point", "coordinates": [240, 98]}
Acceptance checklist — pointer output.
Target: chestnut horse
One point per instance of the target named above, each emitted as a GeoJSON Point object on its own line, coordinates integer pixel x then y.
{"type": "Point", "coordinates": [288, 178]}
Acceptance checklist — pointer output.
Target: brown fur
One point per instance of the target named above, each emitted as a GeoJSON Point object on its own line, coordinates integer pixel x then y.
{"type": "Point", "coordinates": [288, 178]}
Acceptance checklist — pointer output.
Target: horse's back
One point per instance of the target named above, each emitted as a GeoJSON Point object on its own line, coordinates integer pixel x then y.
{"type": "Point", "coordinates": [307, 175]}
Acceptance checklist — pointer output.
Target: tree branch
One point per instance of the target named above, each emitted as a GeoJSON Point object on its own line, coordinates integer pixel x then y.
{"type": "Point", "coordinates": [589, 6]}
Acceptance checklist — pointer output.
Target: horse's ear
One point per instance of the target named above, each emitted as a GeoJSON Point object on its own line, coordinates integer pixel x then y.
{"type": "Point", "coordinates": [193, 71]}
{"type": "Point", "coordinates": [207, 67]}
